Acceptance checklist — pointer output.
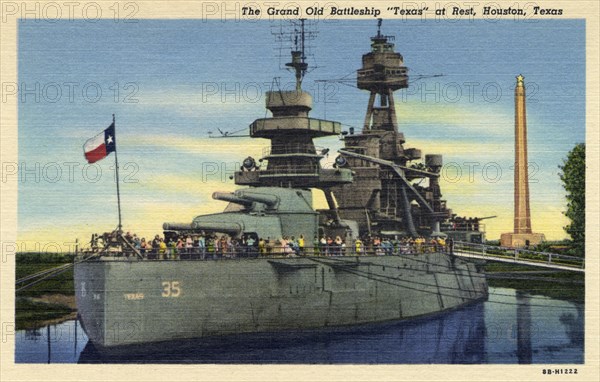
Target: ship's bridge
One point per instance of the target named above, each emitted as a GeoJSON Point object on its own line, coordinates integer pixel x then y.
{"type": "Point", "coordinates": [382, 67]}
{"type": "Point", "coordinates": [290, 116]}
{"type": "Point", "coordinates": [287, 103]}
{"type": "Point", "coordinates": [268, 127]}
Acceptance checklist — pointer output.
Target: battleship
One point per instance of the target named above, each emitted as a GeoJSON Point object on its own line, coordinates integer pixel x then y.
{"type": "Point", "coordinates": [377, 191]}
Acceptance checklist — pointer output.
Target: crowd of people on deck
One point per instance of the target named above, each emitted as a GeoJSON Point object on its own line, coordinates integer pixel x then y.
{"type": "Point", "coordinates": [212, 246]}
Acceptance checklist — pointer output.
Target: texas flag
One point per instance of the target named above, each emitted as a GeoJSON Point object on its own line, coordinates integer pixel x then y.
{"type": "Point", "coordinates": [101, 145]}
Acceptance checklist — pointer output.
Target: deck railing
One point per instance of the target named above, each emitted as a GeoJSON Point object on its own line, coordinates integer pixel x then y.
{"type": "Point", "coordinates": [196, 253]}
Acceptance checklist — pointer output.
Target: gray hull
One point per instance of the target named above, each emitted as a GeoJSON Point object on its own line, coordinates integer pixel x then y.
{"type": "Point", "coordinates": [129, 302]}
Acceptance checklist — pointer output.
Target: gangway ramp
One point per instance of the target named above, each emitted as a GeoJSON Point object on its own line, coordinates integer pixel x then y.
{"type": "Point", "coordinates": [519, 256]}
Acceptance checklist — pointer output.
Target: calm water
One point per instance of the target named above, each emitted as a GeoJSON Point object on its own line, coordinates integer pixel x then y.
{"type": "Point", "coordinates": [509, 328]}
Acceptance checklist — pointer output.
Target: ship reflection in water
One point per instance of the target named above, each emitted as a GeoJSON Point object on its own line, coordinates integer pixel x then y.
{"type": "Point", "coordinates": [510, 328]}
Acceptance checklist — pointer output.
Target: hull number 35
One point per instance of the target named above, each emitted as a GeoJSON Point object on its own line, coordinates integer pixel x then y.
{"type": "Point", "coordinates": [171, 289]}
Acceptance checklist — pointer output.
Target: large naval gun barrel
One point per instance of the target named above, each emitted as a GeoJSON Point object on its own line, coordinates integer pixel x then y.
{"type": "Point", "coordinates": [247, 198]}
{"type": "Point", "coordinates": [177, 226]}
{"type": "Point", "coordinates": [230, 197]}
{"type": "Point", "coordinates": [268, 199]}
{"type": "Point", "coordinates": [229, 227]}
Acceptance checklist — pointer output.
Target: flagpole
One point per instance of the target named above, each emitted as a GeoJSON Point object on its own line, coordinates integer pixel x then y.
{"type": "Point", "coordinates": [117, 175]}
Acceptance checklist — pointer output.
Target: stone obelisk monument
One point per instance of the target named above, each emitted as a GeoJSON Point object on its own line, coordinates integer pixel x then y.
{"type": "Point", "coordinates": [522, 235]}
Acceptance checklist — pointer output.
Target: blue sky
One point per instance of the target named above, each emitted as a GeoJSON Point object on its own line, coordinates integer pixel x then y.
{"type": "Point", "coordinates": [164, 80]}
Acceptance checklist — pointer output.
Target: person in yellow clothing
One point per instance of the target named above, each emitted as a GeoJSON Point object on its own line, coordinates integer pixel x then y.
{"type": "Point", "coordinates": [262, 250]}
{"type": "Point", "coordinates": [162, 249]}
{"type": "Point", "coordinates": [419, 241]}
{"type": "Point", "coordinates": [301, 245]}
{"type": "Point", "coordinates": [358, 246]}
{"type": "Point", "coordinates": [441, 244]}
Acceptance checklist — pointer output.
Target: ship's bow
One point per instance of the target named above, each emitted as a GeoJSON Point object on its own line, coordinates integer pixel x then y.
{"type": "Point", "coordinates": [90, 296]}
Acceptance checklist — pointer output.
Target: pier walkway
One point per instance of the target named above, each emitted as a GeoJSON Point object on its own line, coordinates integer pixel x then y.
{"type": "Point", "coordinates": [519, 256]}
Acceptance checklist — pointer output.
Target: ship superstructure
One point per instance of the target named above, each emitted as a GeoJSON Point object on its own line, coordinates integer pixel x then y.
{"type": "Point", "coordinates": [392, 196]}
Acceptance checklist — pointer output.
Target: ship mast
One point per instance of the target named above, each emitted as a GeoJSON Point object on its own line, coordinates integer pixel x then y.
{"type": "Point", "coordinates": [396, 200]}
{"type": "Point", "coordinates": [292, 160]}
{"type": "Point", "coordinates": [299, 57]}
{"type": "Point", "coordinates": [382, 73]}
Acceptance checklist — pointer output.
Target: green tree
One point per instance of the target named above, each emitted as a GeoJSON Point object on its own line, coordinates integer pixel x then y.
{"type": "Point", "coordinates": [573, 178]}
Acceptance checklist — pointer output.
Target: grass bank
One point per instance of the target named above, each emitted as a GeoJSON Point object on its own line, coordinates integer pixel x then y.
{"type": "Point", "coordinates": [49, 301]}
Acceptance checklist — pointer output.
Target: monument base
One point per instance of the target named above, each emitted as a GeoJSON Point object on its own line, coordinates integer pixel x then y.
{"type": "Point", "coordinates": [520, 240]}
